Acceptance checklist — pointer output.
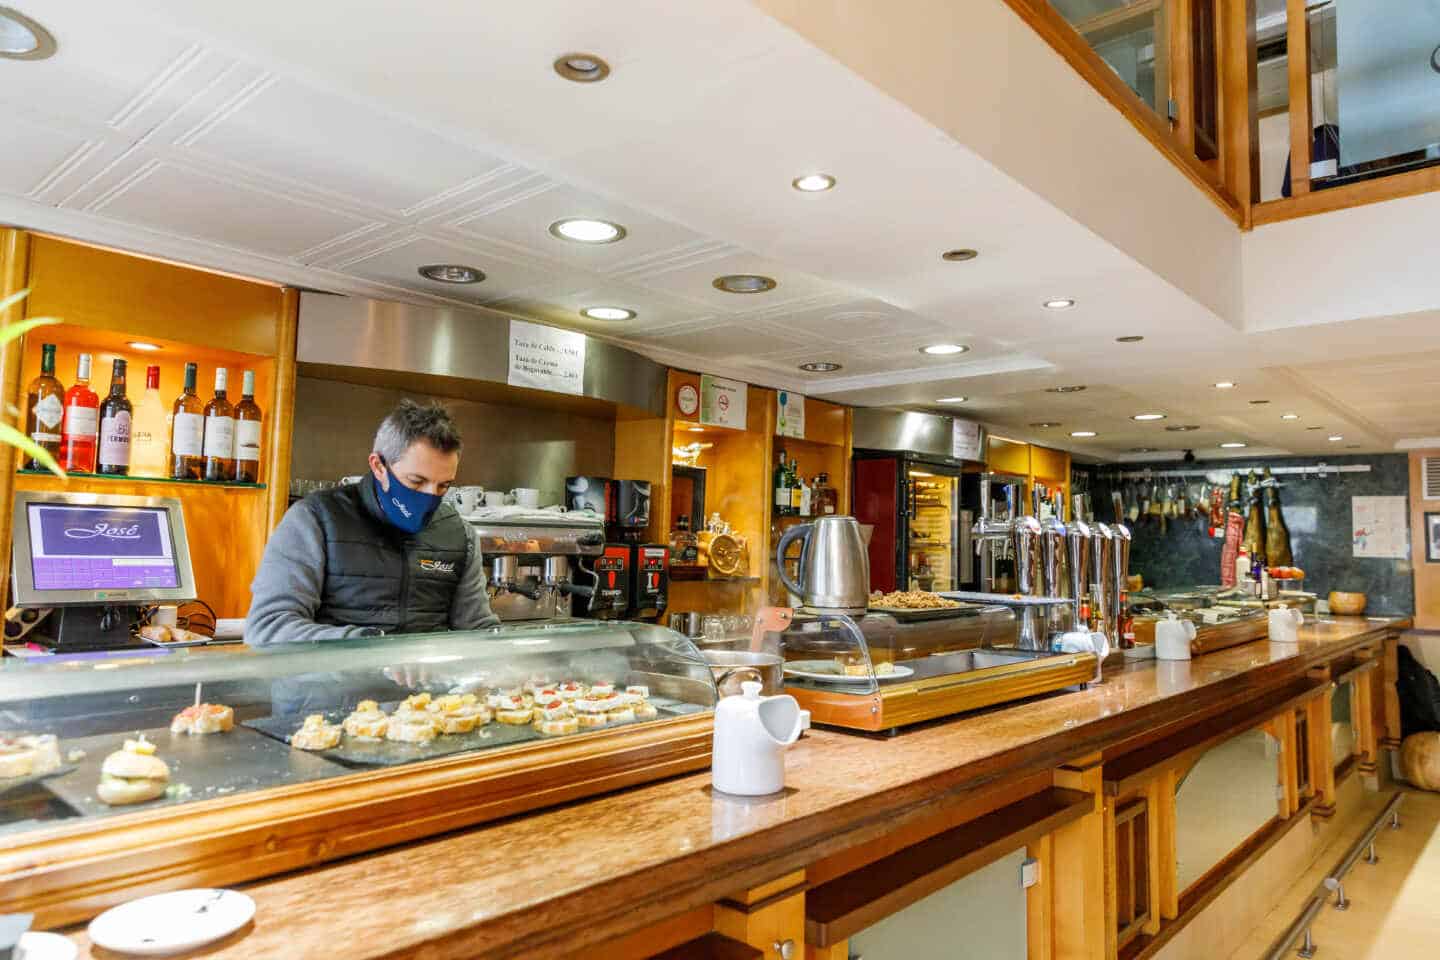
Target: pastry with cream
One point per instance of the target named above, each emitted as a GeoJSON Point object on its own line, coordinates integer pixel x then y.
{"type": "Point", "coordinates": [316, 734]}
{"type": "Point", "coordinates": [367, 721]}
{"type": "Point", "coordinates": [203, 718]}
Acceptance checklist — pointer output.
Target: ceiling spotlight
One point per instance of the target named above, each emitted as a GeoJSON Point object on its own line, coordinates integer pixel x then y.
{"type": "Point", "coordinates": [1132, 338]}
{"type": "Point", "coordinates": [581, 67]}
{"type": "Point", "coordinates": [1182, 428]}
{"type": "Point", "coordinates": [1071, 389]}
{"type": "Point", "coordinates": [813, 183]}
{"type": "Point", "coordinates": [1257, 403]}
{"type": "Point", "coordinates": [142, 345]}
{"type": "Point", "coordinates": [583, 230]}
{"type": "Point", "coordinates": [959, 255]}
{"type": "Point", "coordinates": [820, 366]}
{"type": "Point", "coordinates": [1059, 303]}
{"type": "Point", "coordinates": [1352, 446]}
{"type": "Point", "coordinates": [451, 273]}
{"type": "Point", "coordinates": [1082, 433]}
{"type": "Point", "coordinates": [944, 349]}
{"type": "Point", "coordinates": [743, 283]}
{"type": "Point", "coordinates": [1148, 416]}
{"type": "Point", "coordinates": [1314, 428]}
{"type": "Point", "coordinates": [1225, 385]}
{"type": "Point", "coordinates": [1289, 416]}
{"type": "Point", "coordinates": [1045, 424]}
{"type": "Point", "coordinates": [952, 399]}
{"type": "Point", "coordinates": [1336, 437]}
{"type": "Point", "coordinates": [608, 313]}
{"type": "Point", "coordinates": [22, 38]}
{"type": "Point", "coordinates": [1233, 445]}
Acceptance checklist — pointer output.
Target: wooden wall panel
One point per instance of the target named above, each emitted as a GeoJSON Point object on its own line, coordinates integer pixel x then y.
{"type": "Point", "coordinates": [14, 265]}
{"type": "Point", "coordinates": [1427, 575]}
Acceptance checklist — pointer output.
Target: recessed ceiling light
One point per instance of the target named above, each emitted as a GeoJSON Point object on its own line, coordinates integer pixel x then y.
{"type": "Point", "coordinates": [743, 283]}
{"type": "Point", "coordinates": [1148, 416]}
{"type": "Point", "coordinates": [608, 313]}
{"type": "Point", "coordinates": [1225, 385]}
{"type": "Point", "coordinates": [1182, 428]}
{"type": "Point", "coordinates": [952, 399]}
{"type": "Point", "coordinates": [820, 366]}
{"type": "Point", "coordinates": [1314, 428]}
{"type": "Point", "coordinates": [142, 345]}
{"type": "Point", "coordinates": [581, 67]}
{"type": "Point", "coordinates": [1142, 449]}
{"type": "Point", "coordinates": [1082, 433]}
{"type": "Point", "coordinates": [451, 273]}
{"type": "Point", "coordinates": [959, 255]}
{"type": "Point", "coordinates": [1352, 446]}
{"type": "Point", "coordinates": [1289, 416]}
{"type": "Point", "coordinates": [585, 230]}
{"type": "Point", "coordinates": [22, 38]}
{"type": "Point", "coordinates": [1045, 424]}
{"type": "Point", "coordinates": [1258, 403]}
{"type": "Point", "coordinates": [944, 349]}
{"type": "Point", "coordinates": [1071, 389]}
{"type": "Point", "coordinates": [1336, 437]}
{"type": "Point", "coordinates": [813, 182]}
{"type": "Point", "coordinates": [1132, 338]}
{"type": "Point", "coordinates": [1234, 445]}
{"type": "Point", "coordinates": [1059, 303]}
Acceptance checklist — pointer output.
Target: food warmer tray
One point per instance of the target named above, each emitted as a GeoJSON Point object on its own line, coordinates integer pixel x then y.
{"type": "Point", "coordinates": [916, 614]}
{"type": "Point", "coordinates": [1004, 599]}
{"type": "Point", "coordinates": [211, 766]}
{"type": "Point", "coordinates": [354, 752]}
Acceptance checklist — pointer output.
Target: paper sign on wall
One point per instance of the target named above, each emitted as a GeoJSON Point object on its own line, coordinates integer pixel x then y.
{"type": "Point", "coordinates": [722, 402]}
{"type": "Point", "coordinates": [546, 358]}
{"type": "Point", "coordinates": [789, 414]}
{"type": "Point", "coordinates": [1379, 528]}
{"type": "Point", "coordinates": [965, 441]}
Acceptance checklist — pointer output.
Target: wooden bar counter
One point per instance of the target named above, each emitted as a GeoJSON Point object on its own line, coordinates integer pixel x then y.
{"type": "Point", "coordinates": [615, 873]}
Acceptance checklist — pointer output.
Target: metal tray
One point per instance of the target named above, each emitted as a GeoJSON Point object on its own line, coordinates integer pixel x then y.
{"type": "Point", "coordinates": [912, 615]}
{"type": "Point", "coordinates": [14, 783]}
{"type": "Point", "coordinates": [211, 766]}
{"type": "Point", "coordinates": [353, 752]}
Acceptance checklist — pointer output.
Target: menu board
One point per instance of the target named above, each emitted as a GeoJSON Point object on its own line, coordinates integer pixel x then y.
{"type": "Point", "coordinates": [546, 358]}
{"type": "Point", "coordinates": [789, 414]}
{"type": "Point", "coordinates": [966, 438]}
{"type": "Point", "coordinates": [722, 402]}
{"type": "Point", "coordinates": [1379, 529]}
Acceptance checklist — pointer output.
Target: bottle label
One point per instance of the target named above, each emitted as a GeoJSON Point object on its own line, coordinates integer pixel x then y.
{"type": "Point", "coordinates": [782, 498]}
{"type": "Point", "coordinates": [115, 440]}
{"type": "Point", "coordinates": [48, 413]}
{"type": "Point", "coordinates": [82, 421]}
{"type": "Point", "coordinates": [220, 438]}
{"type": "Point", "coordinates": [247, 440]}
{"type": "Point", "coordinates": [188, 435]}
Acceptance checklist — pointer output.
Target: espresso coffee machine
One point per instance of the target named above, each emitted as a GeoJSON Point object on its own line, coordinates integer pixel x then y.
{"type": "Point", "coordinates": [540, 562]}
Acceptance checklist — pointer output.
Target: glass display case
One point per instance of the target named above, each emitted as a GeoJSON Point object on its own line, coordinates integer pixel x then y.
{"type": "Point", "coordinates": [340, 732]}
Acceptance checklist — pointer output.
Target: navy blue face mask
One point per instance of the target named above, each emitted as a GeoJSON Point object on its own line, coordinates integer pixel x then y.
{"type": "Point", "coordinates": [406, 509]}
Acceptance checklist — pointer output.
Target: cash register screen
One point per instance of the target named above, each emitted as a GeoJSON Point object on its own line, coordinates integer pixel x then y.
{"type": "Point", "coordinates": [78, 547]}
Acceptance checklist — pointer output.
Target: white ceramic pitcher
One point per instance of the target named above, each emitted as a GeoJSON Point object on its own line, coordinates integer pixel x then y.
{"type": "Point", "coordinates": [1173, 638]}
{"type": "Point", "coordinates": [1285, 625]}
{"type": "Point", "coordinates": [751, 735]}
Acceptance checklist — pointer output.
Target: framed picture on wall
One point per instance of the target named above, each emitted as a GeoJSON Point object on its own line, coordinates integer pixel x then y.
{"type": "Point", "coordinates": [1432, 538]}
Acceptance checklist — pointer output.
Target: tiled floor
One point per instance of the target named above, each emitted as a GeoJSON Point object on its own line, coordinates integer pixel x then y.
{"type": "Point", "coordinates": [1395, 905]}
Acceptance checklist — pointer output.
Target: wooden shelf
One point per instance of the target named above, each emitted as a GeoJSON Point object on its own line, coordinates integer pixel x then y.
{"type": "Point", "coordinates": [124, 478]}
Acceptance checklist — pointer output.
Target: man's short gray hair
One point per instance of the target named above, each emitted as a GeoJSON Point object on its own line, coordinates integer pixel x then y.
{"type": "Point", "coordinates": [411, 422]}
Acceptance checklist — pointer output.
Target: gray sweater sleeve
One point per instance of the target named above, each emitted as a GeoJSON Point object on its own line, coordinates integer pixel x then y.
{"type": "Point", "coordinates": [470, 608]}
{"type": "Point", "coordinates": [286, 592]}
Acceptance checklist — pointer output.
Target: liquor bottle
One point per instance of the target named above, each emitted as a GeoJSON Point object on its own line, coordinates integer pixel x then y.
{"type": "Point", "coordinates": [115, 416]}
{"type": "Point", "coordinates": [45, 407]}
{"type": "Point", "coordinates": [82, 422]}
{"type": "Point", "coordinates": [782, 487]}
{"type": "Point", "coordinates": [807, 495]}
{"type": "Point", "coordinates": [219, 432]}
{"type": "Point", "coordinates": [684, 546]}
{"type": "Point", "coordinates": [187, 432]}
{"type": "Point", "coordinates": [149, 432]}
{"type": "Point", "coordinates": [826, 495]}
{"type": "Point", "coordinates": [247, 433]}
{"type": "Point", "coordinates": [793, 482]}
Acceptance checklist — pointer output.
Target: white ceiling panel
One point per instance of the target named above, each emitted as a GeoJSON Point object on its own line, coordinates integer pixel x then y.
{"type": "Point", "coordinates": [398, 265]}
{"type": "Point", "coordinates": [48, 153]}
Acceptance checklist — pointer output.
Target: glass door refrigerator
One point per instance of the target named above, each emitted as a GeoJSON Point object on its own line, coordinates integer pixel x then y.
{"type": "Point", "coordinates": [912, 503]}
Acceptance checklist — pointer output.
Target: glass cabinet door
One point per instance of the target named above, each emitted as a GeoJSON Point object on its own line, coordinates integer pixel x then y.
{"type": "Point", "coordinates": [1227, 797]}
{"type": "Point", "coordinates": [933, 516]}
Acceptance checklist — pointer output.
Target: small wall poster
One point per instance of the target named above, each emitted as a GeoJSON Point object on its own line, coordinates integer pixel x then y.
{"type": "Point", "coordinates": [722, 402]}
{"type": "Point", "coordinates": [546, 358]}
{"type": "Point", "coordinates": [1378, 528]}
{"type": "Point", "coordinates": [789, 414]}
{"type": "Point", "coordinates": [965, 440]}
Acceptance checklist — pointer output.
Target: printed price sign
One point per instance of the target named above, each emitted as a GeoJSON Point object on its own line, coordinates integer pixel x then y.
{"type": "Point", "coordinates": [546, 358]}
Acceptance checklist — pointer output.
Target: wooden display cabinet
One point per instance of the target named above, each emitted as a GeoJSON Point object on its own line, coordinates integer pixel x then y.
{"type": "Point", "coordinates": [1033, 464]}
{"type": "Point", "coordinates": [825, 448]}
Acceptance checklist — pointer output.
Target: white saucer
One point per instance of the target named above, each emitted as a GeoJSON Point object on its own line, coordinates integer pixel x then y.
{"type": "Point", "coordinates": [46, 946]}
{"type": "Point", "coordinates": [172, 922]}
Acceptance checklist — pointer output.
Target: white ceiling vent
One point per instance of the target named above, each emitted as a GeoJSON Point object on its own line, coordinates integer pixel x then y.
{"type": "Point", "coordinates": [1430, 477]}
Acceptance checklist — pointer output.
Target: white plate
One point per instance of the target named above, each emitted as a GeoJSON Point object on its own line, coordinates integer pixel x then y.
{"type": "Point", "coordinates": [46, 946]}
{"type": "Point", "coordinates": [826, 672]}
{"type": "Point", "coordinates": [171, 922]}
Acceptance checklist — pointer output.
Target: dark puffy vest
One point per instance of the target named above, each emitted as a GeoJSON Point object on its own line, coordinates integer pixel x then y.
{"type": "Point", "coordinates": [376, 575]}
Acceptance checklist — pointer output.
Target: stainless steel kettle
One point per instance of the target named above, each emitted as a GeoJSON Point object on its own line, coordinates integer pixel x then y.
{"type": "Point", "coordinates": [834, 573]}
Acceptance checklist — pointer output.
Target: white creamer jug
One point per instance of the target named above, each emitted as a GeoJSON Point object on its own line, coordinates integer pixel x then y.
{"type": "Point", "coordinates": [751, 734]}
{"type": "Point", "coordinates": [1173, 638]}
{"type": "Point", "coordinates": [1285, 625]}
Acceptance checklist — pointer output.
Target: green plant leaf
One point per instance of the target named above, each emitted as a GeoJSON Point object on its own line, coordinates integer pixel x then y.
{"type": "Point", "coordinates": [13, 331]}
{"type": "Point", "coordinates": [14, 298]}
{"type": "Point", "coordinates": [9, 436]}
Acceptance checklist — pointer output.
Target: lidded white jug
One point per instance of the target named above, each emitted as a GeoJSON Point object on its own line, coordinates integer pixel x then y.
{"type": "Point", "coordinates": [1173, 638]}
{"type": "Point", "coordinates": [751, 735]}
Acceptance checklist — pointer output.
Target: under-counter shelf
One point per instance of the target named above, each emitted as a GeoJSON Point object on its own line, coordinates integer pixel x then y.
{"type": "Point", "coordinates": [128, 478]}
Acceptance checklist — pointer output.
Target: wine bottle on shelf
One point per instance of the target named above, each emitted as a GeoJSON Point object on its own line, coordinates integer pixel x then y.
{"type": "Point", "coordinates": [149, 435]}
{"type": "Point", "coordinates": [247, 433]}
{"type": "Point", "coordinates": [187, 432]}
{"type": "Point", "coordinates": [81, 422]}
{"type": "Point", "coordinates": [115, 415]}
{"type": "Point", "coordinates": [45, 407]}
{"type": "Point", "coordinates": [782, 487]}
{"type": "Point", "coordinates": [219, 432]}
{"type": "Point", "coordinates": [793, 482]}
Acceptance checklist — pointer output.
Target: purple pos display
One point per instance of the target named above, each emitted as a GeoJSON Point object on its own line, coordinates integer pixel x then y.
{"type": "Point", "coordinates": [74, 547]}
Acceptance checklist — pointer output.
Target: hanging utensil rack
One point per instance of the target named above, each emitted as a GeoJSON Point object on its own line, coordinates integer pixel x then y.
{"type": "Point", "coordinates": [1313, 470]}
